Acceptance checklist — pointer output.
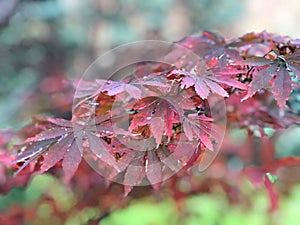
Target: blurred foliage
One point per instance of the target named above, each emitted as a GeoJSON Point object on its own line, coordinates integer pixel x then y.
{"type": "Point", "coordinates": [60, 38]}
{"type": "Point", "coordinates": [45, 194]}
{"type": "Point", "coordinates": [209, 210]}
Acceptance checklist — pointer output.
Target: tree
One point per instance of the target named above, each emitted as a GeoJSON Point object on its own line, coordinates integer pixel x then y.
{"type": "Point", "coordinates": [112, 120]}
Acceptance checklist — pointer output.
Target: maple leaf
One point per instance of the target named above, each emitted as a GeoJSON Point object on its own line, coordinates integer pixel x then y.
{"type": "Point", "coordinates": [206, 81]}
{"type": "Point", "coordinates": [135, 166]}
{"type": "Point", "coordinates": [146, 160]}
{"type": "Point", "coordinates": [211, 46]}
{"type": "Point", "coordinates": [259, 112]}
{"type": "Point", "coordinates": [114, 88]}
{"type": "Point", "coordinates": [89, 95]}
{"type": "Point", "coordinates": [100, 148]}
{"type": "Point", "coordinates": [153, 165]}
{"type": "Point", "coordinates": [58, 142]}
{"type": "Point", "coordinates": [156, 112]}
{"type": "Point", "coordinates": [54, 144]}
{"type": "Point", "coordinates": [252, 39]}
{"type": "Point", "coordinates": [201, 127]}
{"type": "Point", "coordinates": [219, 49]}
{"type": "Point", "coordinates": [132, 87]}
{"type": "Point", "coordinates": [280, 68]}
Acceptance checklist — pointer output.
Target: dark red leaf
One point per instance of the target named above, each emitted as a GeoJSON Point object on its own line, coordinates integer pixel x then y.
{"type": "Point", "coordinates": [216, 88]}
{"type": "Point", "coordinates": [279, 68]}
{"type": "Point", "coordinates": [260, 80]}
{"type": "Point", "coordinates": [101, 150]}
{"type": "Point", "coordinates": [56, 152]}
{"type": "Point", "coordinates": [115, 88]}
{"type": "Point", "coordinates": [230, 82]}
{"type": "Point", "coordinates": [282, 87]}
{"type": "Point", "coordinates": [151, 111]}
{"type": "Point", "coordinates": [71, 160]}
{"type": "Point", "coordinates": [53, 144]}
{"type": "Point", "coordinates": [33, 150]}
{"type": "Point", "coordinates": [157, 127]}
{"type": "Point", "coordinates": [198, 127]}
{"type": "Point", "coordinates": [203, 83]}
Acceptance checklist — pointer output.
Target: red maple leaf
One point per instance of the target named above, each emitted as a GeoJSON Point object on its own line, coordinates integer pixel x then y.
{"type": "Point", "coordinates": [114, 88]}
{"type": "Point", "coordinates": [202, 128]}
{"type": "Point", "coordinates": [280, 69]}
{"type": "Point", "coordinates": [156, 112]}
{"type": "Point", "coordinates": [56, 143]}
{"type": "Point", "coordinates": [206, 81]}
{"type": "Point", "coordinates": [211, 46]}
